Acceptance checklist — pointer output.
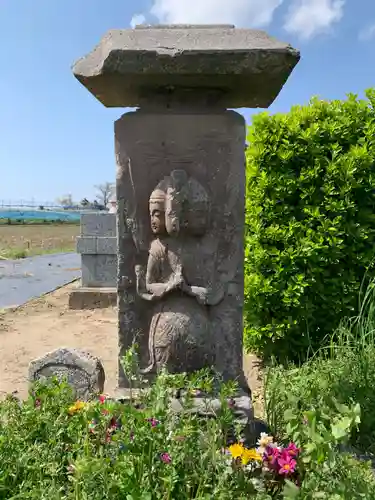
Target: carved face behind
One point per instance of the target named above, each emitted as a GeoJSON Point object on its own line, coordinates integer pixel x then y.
{"type": "Point", "coordinates": [173, 213]}
{"type": "Point", "coordinates": [157, 221]}
{"type": "Point", "coordinates": [197, 219]}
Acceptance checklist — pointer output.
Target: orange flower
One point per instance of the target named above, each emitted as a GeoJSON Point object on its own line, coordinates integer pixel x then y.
{"type": "Point", "coordinates": [78, 405]}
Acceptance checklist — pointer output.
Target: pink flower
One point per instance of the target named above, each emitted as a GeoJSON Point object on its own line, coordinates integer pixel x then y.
{"type": "Point", "coordinates": [271, 456]}
{"type": "Point", "coordinates": [153, 421]}
{"type": "Point", "coordinates": [287, 465]}
{"type": "Point", "coordinates": [231, 403]}
{"type": "Point", "coordinates": [166, 458]}
{"type": "Point", "coordinates": [102, 398]}
{"type": "Point", "coordinates": [292, 450]}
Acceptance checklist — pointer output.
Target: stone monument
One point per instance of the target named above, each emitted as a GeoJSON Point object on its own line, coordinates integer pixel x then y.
{"type": "Point", "coordinates": [97, 246]}
{"type": "Point", "coordinates": [181, 183]}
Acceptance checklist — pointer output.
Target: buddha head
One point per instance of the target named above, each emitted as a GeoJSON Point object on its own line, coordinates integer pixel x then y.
{"type": "Point", "coordinates": [157, 211]}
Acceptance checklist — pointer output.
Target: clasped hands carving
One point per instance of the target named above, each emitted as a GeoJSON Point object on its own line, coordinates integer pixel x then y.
{"type": "Point", "coordinates": [157, 291]}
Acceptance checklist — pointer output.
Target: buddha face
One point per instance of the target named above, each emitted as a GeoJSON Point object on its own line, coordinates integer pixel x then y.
{"type": "Point", "coordinates": [157, 221]}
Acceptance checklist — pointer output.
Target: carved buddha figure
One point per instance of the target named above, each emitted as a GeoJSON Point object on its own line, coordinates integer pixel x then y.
{"type": "Point", "coordinates": [180, 337]}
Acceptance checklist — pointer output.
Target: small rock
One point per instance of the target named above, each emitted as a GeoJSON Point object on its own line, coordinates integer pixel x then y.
{"type": "Point", "coordinates": [84, 372]}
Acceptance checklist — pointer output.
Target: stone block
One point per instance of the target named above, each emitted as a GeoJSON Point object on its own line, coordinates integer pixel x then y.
{"type": "Point", "coordinates": [98, 224]}
{"type": "Point", "coordinates": [84, 372]}
{"type": "Point", "coordinates": [86, 244]}
{"type": "Point", "coordinates": [242, 67]}
{"type": "Point", "coordinates": [106, 245]}
{"type": "Point", "coordinates": [99, 270]}
{"type": "Point", "coordinates": [93, 298]}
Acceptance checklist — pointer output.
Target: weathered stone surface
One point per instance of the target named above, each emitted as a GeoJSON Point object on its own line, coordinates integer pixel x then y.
{"type": "Point", "coordinates": [209, 149]}
{"type": "Point", "coordinates": [97, 245]}
{"type": "Point", "coordinates": [84, 372]}
{"type": "Point", "coordinates": [103, 245]}
{"type": "Point", "coordinates": [86, 245]}
{"type": "Point", "coordinates": [98, 224]}
{"type": "Point", "coordinates": [205, 406]}
{"type": "Point", "coordinates": [99, 270]}
{"type": "Point", "coordinates": [241, 67]}
{"type": "Point", "coordinates": [92, 298]}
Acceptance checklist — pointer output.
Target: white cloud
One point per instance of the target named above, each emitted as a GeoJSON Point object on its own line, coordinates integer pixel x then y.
{"type": "Point", "coordinates": [308, 18]}
{"type": "Point", "coordinates": [137, 19]}
{"type": "Point", "coordinates": [254, 13]}
{"type": "Point", "coordinates": [367, 33]}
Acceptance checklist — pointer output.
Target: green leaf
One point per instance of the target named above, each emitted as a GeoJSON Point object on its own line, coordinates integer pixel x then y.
{"type": "Point", "coordinates": [290, 490]}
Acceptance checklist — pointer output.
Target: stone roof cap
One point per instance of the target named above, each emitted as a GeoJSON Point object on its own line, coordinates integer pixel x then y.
{"type": "Point", "coordinates": [246, 67]}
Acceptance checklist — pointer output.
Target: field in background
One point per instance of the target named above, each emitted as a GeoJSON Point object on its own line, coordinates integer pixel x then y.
{"type": "Point", "coordinates": [24, 240]}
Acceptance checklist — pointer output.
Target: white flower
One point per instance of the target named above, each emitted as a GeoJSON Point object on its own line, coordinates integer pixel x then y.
{"type": "Point", "coordinates": [265, 440]}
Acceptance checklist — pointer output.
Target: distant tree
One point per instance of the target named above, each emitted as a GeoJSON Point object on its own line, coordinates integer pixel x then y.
{"type": "Point", "coordinates": [105, 192]}
{"type": "Point", "coordinates": [65, 201]}
{"type": "Point", "coordinates": [85, 202]}
{"type": "Point", "coordinates": [97, 206]}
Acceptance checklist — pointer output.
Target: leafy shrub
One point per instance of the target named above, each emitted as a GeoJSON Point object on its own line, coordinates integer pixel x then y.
{"type": "Point", "coordinates": [310, 222]}
{"type": "Point", "coordinates": [343, 373]}
{"type": "Point", "coordinates": [323, 427]}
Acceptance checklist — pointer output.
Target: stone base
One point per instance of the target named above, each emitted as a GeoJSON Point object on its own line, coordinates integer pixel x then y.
{"type": "Point", "coordinates": [210, 407]}
{"type": "Point", "coordinates": [92, 298]}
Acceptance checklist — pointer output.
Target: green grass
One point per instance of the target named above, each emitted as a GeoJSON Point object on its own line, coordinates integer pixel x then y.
{"type": "Point", "coordinates": [341, 374]}
{"type": "Point", "coordinates": [21, 253]}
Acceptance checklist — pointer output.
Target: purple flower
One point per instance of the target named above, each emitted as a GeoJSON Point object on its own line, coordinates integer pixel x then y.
{"type": "Point", "coordinates": [292, 450]}
{"type": "Point", "coordinates": [153, 421]}
{"type": "Point", "coordinates": [287, 465]}
{"type": "Point", "coordinates": [165, 458]}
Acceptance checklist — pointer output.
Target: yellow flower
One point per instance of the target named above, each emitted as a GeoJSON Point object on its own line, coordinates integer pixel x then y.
{"type": "Point", "coordinates": [78, 405]}
{"type": "Point", "coordinates": [250, 456]}
{"type": "Point", "coordinates": [236, 450]}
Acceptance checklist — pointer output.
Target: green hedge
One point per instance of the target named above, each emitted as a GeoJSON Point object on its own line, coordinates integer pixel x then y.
{"type": "Point", "coordinates": [310, 222]}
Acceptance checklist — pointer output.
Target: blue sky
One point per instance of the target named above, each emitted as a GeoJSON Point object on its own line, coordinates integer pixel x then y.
{"type": "Point", "coordinates": [57, 139]}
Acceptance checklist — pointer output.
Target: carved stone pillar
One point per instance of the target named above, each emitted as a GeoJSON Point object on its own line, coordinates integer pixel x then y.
{"type": "Point", "coordinates": [183, 79]}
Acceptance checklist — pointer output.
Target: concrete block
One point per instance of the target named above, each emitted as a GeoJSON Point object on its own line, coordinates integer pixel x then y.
{"type": "Point", "coordinates": [106, 245]}
{"type": "Point", "coordinates": [99, 270]}
{"type": "Point", "coordinates": [98, 224]}
{"type": "Point", "coordinates": [86, 244]}
{"type": "Point", "coordinates": [93, 298]}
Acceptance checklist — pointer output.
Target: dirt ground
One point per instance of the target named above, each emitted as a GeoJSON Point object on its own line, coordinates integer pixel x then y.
{"type": "Point", "coordinates": [47, 323]}
{"type": "Point", "coordinates": [32, 239]}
